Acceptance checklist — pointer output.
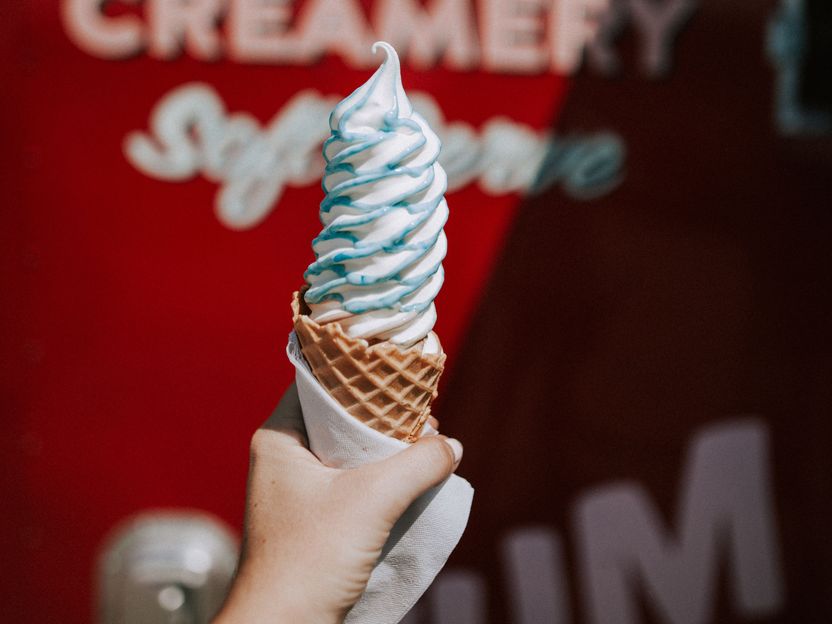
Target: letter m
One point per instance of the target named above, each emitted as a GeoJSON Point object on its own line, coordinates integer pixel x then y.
{"type": "Point", "coordinates": [724, 521]}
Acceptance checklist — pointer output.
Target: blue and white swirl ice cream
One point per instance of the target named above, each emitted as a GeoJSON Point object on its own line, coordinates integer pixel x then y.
{"type": "Point", "coordinates": [378, 263]}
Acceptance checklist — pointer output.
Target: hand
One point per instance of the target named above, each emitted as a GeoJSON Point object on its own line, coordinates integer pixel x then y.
{"type": "Point", "coordinates": [313, 533]}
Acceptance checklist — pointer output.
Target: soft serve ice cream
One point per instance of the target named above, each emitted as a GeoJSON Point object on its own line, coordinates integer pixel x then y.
{"type": "Point", "coordinates": [379, 256]}
{"type": "Point", "coordinates": [364, 320]}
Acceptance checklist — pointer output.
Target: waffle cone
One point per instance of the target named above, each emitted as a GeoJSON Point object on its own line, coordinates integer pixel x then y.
{"type": "Point", "coordinates": [388, 388]}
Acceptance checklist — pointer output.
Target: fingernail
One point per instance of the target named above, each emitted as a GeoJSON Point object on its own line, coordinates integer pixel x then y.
{"type": "Point", "coordinates": [456, 447]}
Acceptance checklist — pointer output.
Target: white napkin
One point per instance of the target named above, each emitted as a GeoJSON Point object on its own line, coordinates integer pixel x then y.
{"type": "Point", "coordinates": [422, 540]}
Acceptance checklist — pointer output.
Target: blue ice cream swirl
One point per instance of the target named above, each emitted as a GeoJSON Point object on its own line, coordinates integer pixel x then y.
{"type": "Point", "coordinates": [378, 259]}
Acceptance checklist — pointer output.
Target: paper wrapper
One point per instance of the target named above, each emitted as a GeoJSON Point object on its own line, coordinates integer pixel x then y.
{"type": "Point", "coordinates": [423, 538]}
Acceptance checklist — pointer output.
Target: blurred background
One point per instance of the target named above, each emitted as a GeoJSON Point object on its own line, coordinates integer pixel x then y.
{"type": "Point", "coordinates": [636, 308]}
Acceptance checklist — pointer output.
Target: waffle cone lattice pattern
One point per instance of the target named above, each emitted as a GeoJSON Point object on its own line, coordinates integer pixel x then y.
{"type": "Point", "coordinates": [385, 387]}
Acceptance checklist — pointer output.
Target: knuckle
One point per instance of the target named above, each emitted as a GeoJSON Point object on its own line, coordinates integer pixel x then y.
{"type": "Point", "coordinates": [260, 443]}
{"type": "Point", "coordinates": [440, 454]}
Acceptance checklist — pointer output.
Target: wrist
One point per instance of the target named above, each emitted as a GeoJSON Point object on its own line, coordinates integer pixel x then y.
{"type": "Point", "coordinates": [257, 611]}
{"type": "Point", "coordinates": [262, 599]}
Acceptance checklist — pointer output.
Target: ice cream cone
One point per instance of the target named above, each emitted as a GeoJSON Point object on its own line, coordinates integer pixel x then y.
{"type": "Point", "coordinates": [387, 388]}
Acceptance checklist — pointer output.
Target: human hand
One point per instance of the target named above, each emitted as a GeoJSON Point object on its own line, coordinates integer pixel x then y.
{"type": "Point", "coordinates": [313, 534]}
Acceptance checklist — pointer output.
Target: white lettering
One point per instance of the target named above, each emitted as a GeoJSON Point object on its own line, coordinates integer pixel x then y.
{"type": "Point", "coordinates": [513, 35]}
{"type": "Point", "coordinates": [659, 23]}
{"type": "Point", "coordinates": [425, 33]}
{"type": "Point", "coordinates": [537, 589]}
{"type": "Point", "coordinates": [510, 36]}
{"type": "Point", "coordinates": [458, 596]}
{"type": "Point", "coordinates": [725, 521]}
{"type": "Point", "coordinates": [600, 51]}
{"type": "Point", "coordinates": [336, 26]}
{"type": "Point", "coordinates": [171, 153]}
{"type": "Point", "coordinates": [189, 23]}
{"type": "Point", "coordinates": [191, 133]}
{"type": "Point", "coordinates": [101, 36]}
{"type": "Point", "coordinates": [573, 24]}
{"type": "Point", "coordinates": [725, 508]}
{"type": "Point", "coordinates": [504, 145]}
{"type": "Point", "coordinates": [258, 32]}
{"type": "Point", "coordinates": [586, 166]}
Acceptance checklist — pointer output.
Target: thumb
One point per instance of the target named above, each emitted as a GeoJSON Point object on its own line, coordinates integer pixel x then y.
{"type": "Point", "coordinates": [400, 479]}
